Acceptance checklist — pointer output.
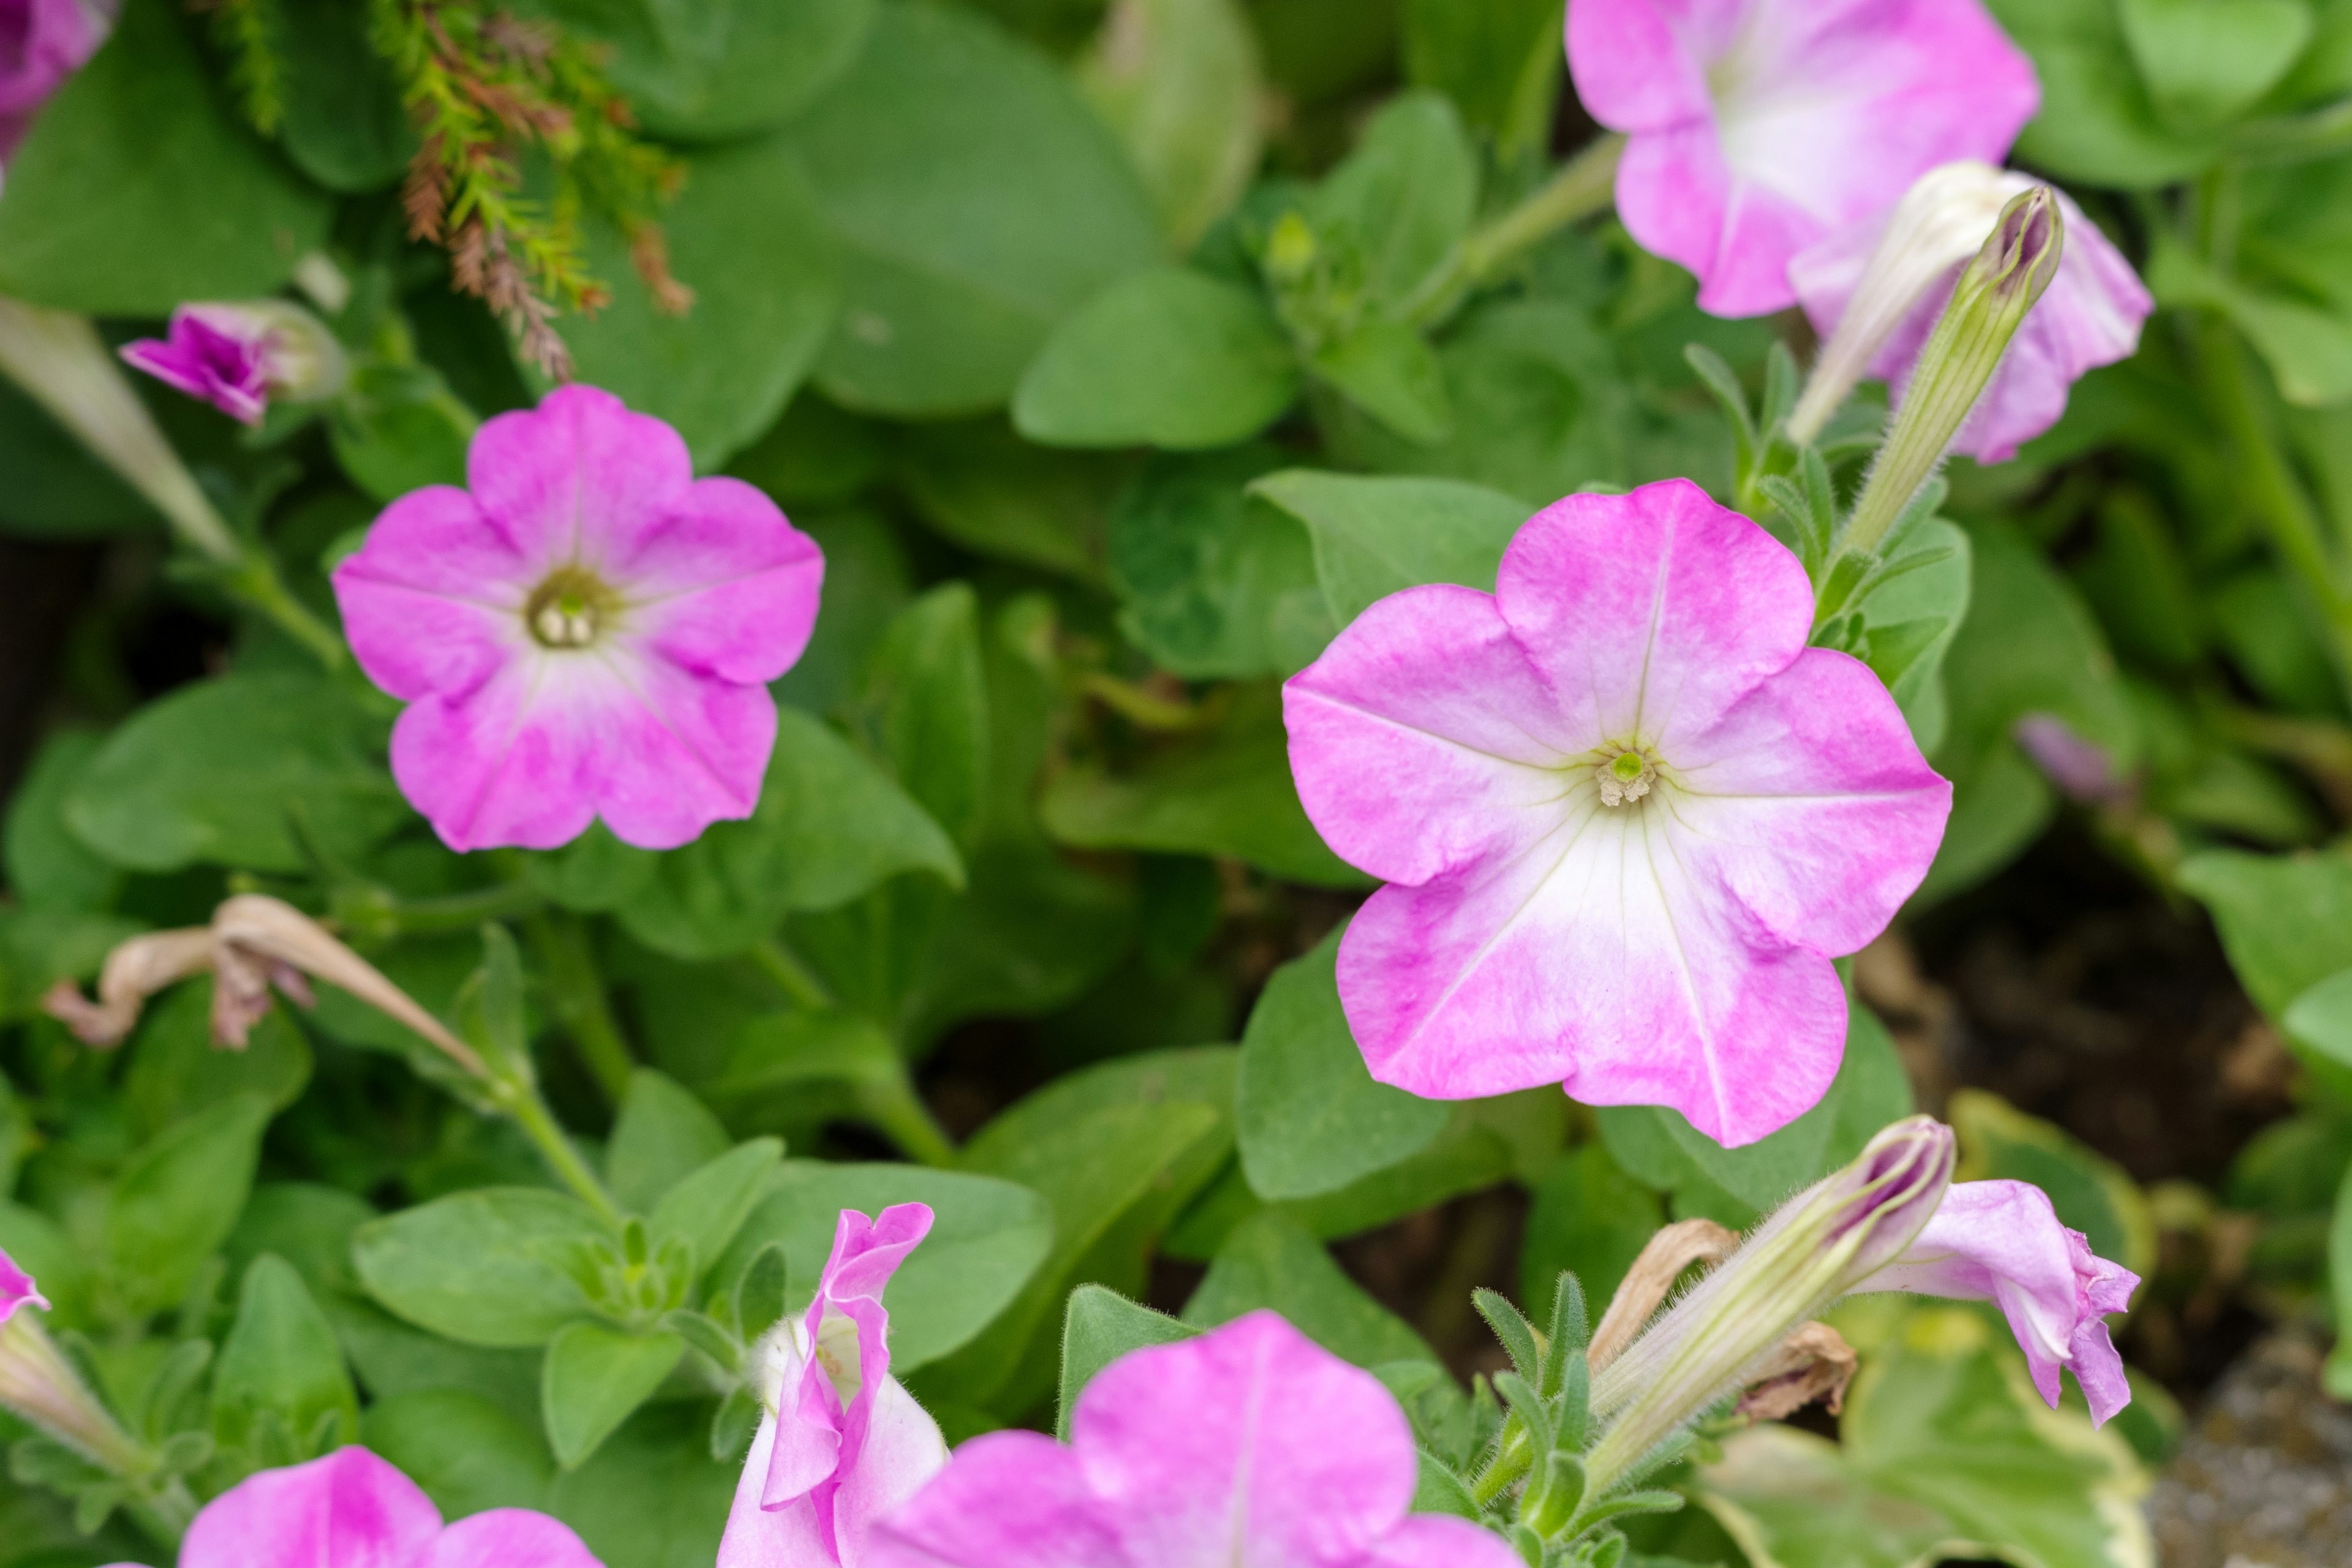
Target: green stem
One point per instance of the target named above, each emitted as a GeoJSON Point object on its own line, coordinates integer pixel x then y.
{"type": "Point", "coordinates": [577, 991]}
{"type": "Point", "coordinates": [2268, 479]}
{"type": "Point", "coordinates": [1513, 1455]}
{"type": "Point", "coordinates": [900, 1115]}
{"type": "Point", "coordinates": [461, 912]}
{"type": "Point", "coordinates": [523, 1103]}
{"type": "Point", "coordinates": [792, 976]}
{"type": "Point", "coordinates": [1583, 186]}
{"type": "Point", "coordinates": [255, 580]}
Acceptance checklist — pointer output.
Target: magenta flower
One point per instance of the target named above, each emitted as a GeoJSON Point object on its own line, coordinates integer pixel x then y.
{"type": "Point", "coordinates": [235, 356]}
{"type": "Point", "coordinates": [588, 633]}
{"type": "Point", "coordinates": [842, 1443]}
{"type": "Point", "coordinates": [1756, 127]}
{"type": "Point", "coordinates": [2002, 1242]}
{"type": "Point", "coordinates": [2090, 316]}
{"type": "Point", "coordinates": [1249, 1444]}
{"type": "Point", "coordinates": [1626, 816]}
{"type": "Point", "coordinates": [42, 42]}
{"type": "Point", "coordinates": [17, 1290]}
{"type": "Point", "coordinates": [352, 1510]}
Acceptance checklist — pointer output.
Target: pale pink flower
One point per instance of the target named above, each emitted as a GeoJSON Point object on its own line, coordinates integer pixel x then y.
{"type": "Point", "coordinates": [1756, 127]}
{"type": "Point", "coordinates": [352, 1510]}
{"type": "Point", "coordinates": [588, 633]}
{"type": "Point", "coordinates": [17, 1290]}
{"type": "Point", "coordinates": [2002, 1242]}
{"type": "Point", "coordinates": [2090, 315]}
{"type": "Point", "coordinates": [236, 357]}
{"type": "Point", "coordinates": [1625, 815]}
{"type": "Point", "coordinates": [42, 42]}
{"type": "Point", "coordinates": [1250, 1444]}
{"type": "Point", "coordinates": [2076, 765]}
{"type": "Point", "coordinates": [842, 1443]}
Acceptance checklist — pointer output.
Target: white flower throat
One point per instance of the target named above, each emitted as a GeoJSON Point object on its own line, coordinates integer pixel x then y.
{"type": "Point", "coordinates": [1624, 778]}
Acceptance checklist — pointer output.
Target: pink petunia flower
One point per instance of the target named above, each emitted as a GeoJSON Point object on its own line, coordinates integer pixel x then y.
{"type": "Point", "coordinates": [1625, 815]}
{"type": "Point", "coordinates": [1756, 127]}
{"type": "Point", "coordinates": [42, 42]}
{"type": "Point", "coordinates": [587, 633]}
{"type": "Point", "coordinates": [2002, 1242]}
{"type": "Point", "coordinates": [1902, 267]}
{"type": "Point", "coordinates": [1250, 1444]}
{"type": "Point", "coordinates": [842, 1443]}
{"type": "Point", "coordinates": [352, 1510]}
{"type": "Point", "coordinates": [235, 356]}
{"type": "Point", "coordinates": [17, 1290]}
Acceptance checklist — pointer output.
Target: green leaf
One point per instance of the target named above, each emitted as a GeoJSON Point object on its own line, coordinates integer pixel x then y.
{"type": "Point", "coordinates": [662, 1135]}
{"type": "Point", "coordinates": [1498, 62]}
{"type": "Point", "coordinates": [1179, 82]}
{"type": "Point", "coordinates": [2319, 1024]}
{"type": "Point", "coordinates": [491, 1267]}
{"type": "Point", "coordinates": [984, 488]}
{"type": "Point", "coordinates": [1947, 1454]}
{"type": "Point", "coordinates": [138, 145]}
{"type": "Point", "coordinates": [2204, 65]}
{"type": "Point", "coordinates": [778, 1062]}
{"type": "Point", "coordinates": [177, 1199]}
{"type": "Point", "coordinates": [47, 866]}
{"type": "Point", "coordinates": [1214, 582]}
{"type": "Point", "coordinates": [2091, 1193]}
{"type": "Point", "coordinates": [1664, 1150]}
{"type": "Point", "coordinates": [2285, 921]}
{"type": "Point", "coordinates": [1097, 1328]}
{"type": "Point", "coordinates": [977, 200]}
{"type": "Point", "coordinates": [596, 1376]}
{"type": "Point", "coordinates": [987, 1240]}
{"type": "Point", "coordinates": [2096, 124]}
{"type": "Point", "coordinates": [1310, 1118]}
{"type": "Point", "coordinates": [344, 125]}
{"type": "Point", "coordinates": [1375, 535]}
{"type": "Point", "coordinates": [2307, 347]}
{"type": "Point", "coordinates": [177, 1070]}
{"type": "Point", "coordinates": [652, 1497]}
{"type": "Point", "coordinates": [1589, 1218]}
{"type": "Point", "coordinates": [1270, 1262]}
{"type": "Point", "coordinates": [712, 69]}
{"type": "Point", "coordinates": [1225, 792]}
{"type": "Point", "coordinates": [58, 489]}
{"type": "Point", "coordinates": [1921, 611]}
{"type": "Point", "coordinates": [464, 1450]}
{"type": "Point", "coordinates": [1168, 358]}
{"type": "Point", "coordinates": [214, 772]}
{"type": "Point", "coordinates": [707, 1208]}
{"type": "Point", "coordinates": [1406, 196]}
{"type": "Point", "coordinates": [309, 1224]}
{"type": "Point", "coordinates": [747, 237]}
{"type": "Point", "coordinates": [2338, 1371]}
{"type": "Point", "coordinates": [830, 824]}
{"type": "Point", "coordinates": [924, 703]}
{"type": "Point", "coordinates": [1388, 370]}
{"type": "Point", "coordinates": [280, 1360]}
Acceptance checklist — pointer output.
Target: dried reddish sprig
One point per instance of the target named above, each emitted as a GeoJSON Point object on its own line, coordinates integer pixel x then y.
{"type": "Point", "coordinates": [483, 87]}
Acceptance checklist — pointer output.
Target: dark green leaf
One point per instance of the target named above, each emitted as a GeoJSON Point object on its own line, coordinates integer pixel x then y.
{"type": "Point", "coordinates": [1268, 1261]}
{"type": "Point", "coordinates": [1098, 1327]}
{"type": "Point", "coordinates": [177, 1199]}
{"type": "Point", "coordinates": [280, 1360]}
{"type": "Point", "coordinates": [464, 1450]}
{"type": "Point", "coordinates": [1374, 536]}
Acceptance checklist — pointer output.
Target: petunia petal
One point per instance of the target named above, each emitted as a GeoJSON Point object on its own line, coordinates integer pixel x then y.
{"type": "Point", "coordinates": [432, 601]}
{"type": "Point", "coordinates": [509, 1537]}
{"type": "Point", "coordinates": [1434, 1540]}
{"type": "Point", "coordinates": [505, 763]}
{"type": "Point", "coordinates": [1422, 740]}
{"type": "Point", "coordinates": [17, 1290]}
{"type": "Point", "coordinates": [348, 1510]}
{"type": "Point", "coordinates": [722, 584]}
{"type": "Point", "coordinates": [900, 1451]}
{"type": "Point", "coordinates": [1011, 1500]}
{"type": "Point", "coordinates": [1810, 801]}
{"type": "Point", "coordinates": [1652, 613]}
{"type": "Point", "coordinates": [672, 752]}
{"type": "Point", "coordinates": [1595, 960]}
{"type": "Point", "coordinates": [578, 479]}
{"type": "Point", "coordinates": [1224, 1447]}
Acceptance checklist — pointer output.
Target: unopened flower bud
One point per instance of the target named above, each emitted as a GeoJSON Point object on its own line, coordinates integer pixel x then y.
{"type": "Point", "coordinates": [40, 1385]}
{"type": "Point", "coordinates": [1730, 1327]}
{"type": "Point", "coordinates": [2011, 270]}
{"type": "Point", "coordinates": [238, 356]}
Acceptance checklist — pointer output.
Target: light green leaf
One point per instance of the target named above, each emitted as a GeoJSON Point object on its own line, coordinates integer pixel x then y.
{"type": "Point", "coordinates": [1499, 62]}
{"type": "Point", "coordinates": [596, 1376]}
{"type": "Point", "coordinates": [491, 1267]}
{"type": "Point", "coordinates": [2307, 347]}
{"type": "Point", "coordinates": [1167, 358]}
{"type": "Point", "coordinates": [662, 1135]}
{"type": "Point", "coordinates": [1388, 370]}
{"type": "Point", "coordinates": [2285, 921]}
{"type": "Point", "coordinates": [1407, 196]}
{"type": "Point", "coordinates": [1179, 82]}
{"type": "Point", "coordinates": [747, 237]}
{"type": "Point", "coordinates": [1310, 1118]}
{"type": "Point", "coordinates": [177, 1070]}
{"type": "Point", "coordinates": [47, 866]}
{"type": "Point", "coordinates": [281, 1364]}
{"type": "Point", "coordinates": [140, 187]}
{"type": "Point", "coordinates": [978, 200]}
{"type": "Point", "coordinates": [215, 772]}
{"type": "Point", "coordinates": [2096, 123]}
{"type": "Point", "coordinates": [1375, 535]}
{"type": "Point", "coordinates": [1269, 1262]}
{"type": "Point", "coordinates": [177, 1200]}
{"type": "Point", "coordinates": [710, 1207]}
{"type": "Point", "coordinates": [987, 1239]}
{"type": "Point", "coordinates": [1098, 1327]}
{"type": "Point", "coordinates": [2203, 64]}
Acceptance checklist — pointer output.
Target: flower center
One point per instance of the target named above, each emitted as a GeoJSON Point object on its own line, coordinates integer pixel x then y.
{"type": "Point", "coordinates": [571, 609]}
{"type": "Point", "coordinates": [1624, 778]}
{"type": "Point", "coordinates": [838, 1353]}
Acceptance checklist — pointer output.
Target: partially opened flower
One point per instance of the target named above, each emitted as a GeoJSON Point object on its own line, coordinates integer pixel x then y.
{"type": "Point", "coordinates": [1248, 1444]}
{"type": "Point", "coordinates": [38, 1385]}
{"type": "Point", "coordinates": [2003, 1242]}
{"type": "Point", "coordinates": [16, 1290]}
{"type": "Point", "coordinates": [588, 633]}
{"type": "Point", "coordinates": [236, 357]}
{"type": "Point", "coordinates": [42, 42]}
{"type": "Point", "coordinates": [1626, 816]}
{"type": "Point", "coordinates": [352, 1510]}
{"type": "Point", "coordinates": [1874, 289]}
{"type": "Point", "coordinates": [842, 1443]}
{"type": "Point", "coordinates": [1758, 127]}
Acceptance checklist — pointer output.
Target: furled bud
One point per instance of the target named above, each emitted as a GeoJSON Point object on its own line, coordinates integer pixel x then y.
{"type": "Point", "coordinates": [2010, 271]}
{"type": "Point", "coordinates": [1730, 1327]}
{"type": "Point", "coordinates": [237, 357]}
{"type": "Point", "coordinates": [39, 1385]}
